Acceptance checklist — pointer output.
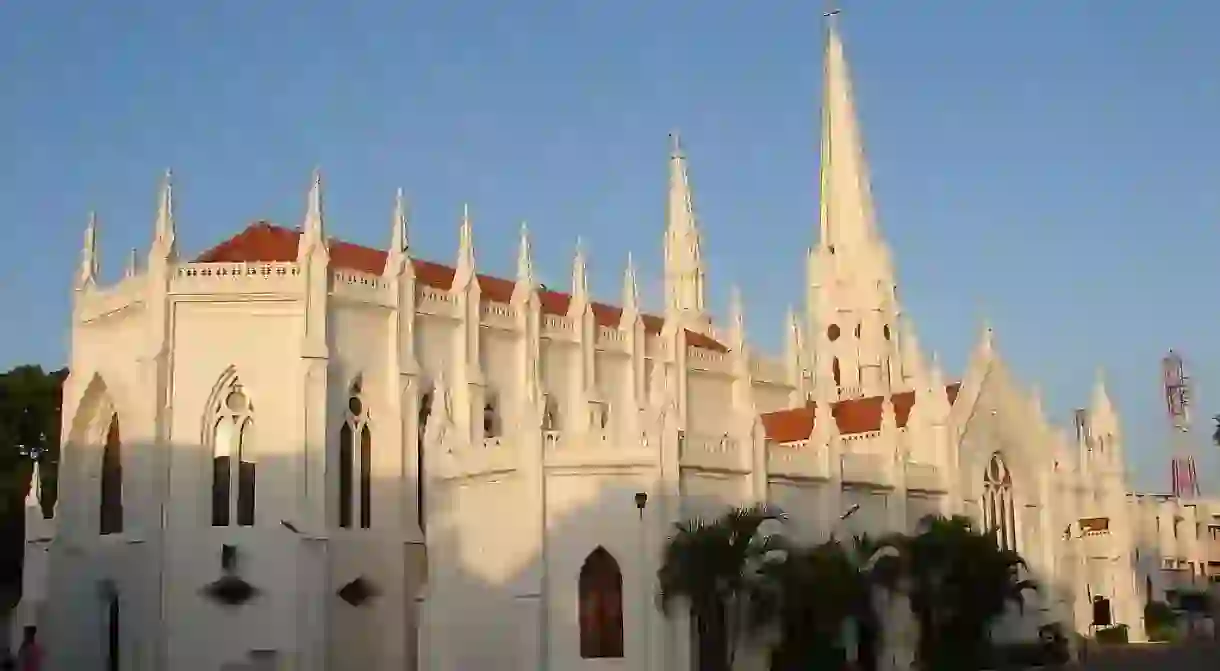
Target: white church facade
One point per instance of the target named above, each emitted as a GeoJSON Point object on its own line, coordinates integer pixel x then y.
{"type": "Point", "coordinates": [294, 452]}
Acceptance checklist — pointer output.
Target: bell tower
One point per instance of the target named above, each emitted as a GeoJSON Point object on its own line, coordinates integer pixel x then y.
{"type": "Point", "coordinates": [851, 301]}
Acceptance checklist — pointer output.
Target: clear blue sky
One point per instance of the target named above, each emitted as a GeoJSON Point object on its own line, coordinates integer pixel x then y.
{"type": "Point", "coordinates": [1053, 166]}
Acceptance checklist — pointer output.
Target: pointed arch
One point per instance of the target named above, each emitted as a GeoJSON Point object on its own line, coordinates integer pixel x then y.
{"type": "Point", "coordinates": [229, 434]}
{"type": "Point", "coordinates": [356, 459]}
{"type": "Point", "coordinates": [92, 450]}
{"type": "Point", "coordinates": [998, 509]}
{"type": "Point", "coordinates": [110, 508]}
{"type": "Point", "coordinates": [601, 606]}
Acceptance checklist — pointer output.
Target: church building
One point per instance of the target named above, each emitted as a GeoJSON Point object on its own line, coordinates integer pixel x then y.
{"type": "Point", "coordinates": [293, 452]}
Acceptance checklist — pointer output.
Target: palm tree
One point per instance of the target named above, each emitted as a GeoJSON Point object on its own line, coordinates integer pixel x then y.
{"type": "Point", "coordinates": [813, 594]}
{"type": "Point", "coordinates": [959, 581]}
{"type": "Point", "coordinates": [717, 568]}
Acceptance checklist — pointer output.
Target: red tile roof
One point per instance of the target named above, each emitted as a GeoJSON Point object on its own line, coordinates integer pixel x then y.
{"type": "Point", "coordinates": [859, 415]}
{"type": "Point", "coordinates": [263, 242]}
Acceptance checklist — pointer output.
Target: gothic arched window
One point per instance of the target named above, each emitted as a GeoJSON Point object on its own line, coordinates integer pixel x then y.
{"type": "Point", "coordinates": [233, 457]}
{"type": "Point", "coordinates": [356, 426]}
{"type": "Point", "coordinates": [998, 509]}
{"type": "Point", "coordinates": [601, 606]}
{"type": "Point", "coordinates": [111, 504]}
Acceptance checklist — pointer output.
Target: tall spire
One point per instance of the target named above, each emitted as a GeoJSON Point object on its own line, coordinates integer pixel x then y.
{"type": "Point", "coordinates": [164, 233]}
{"type": "Point", "coordinates": [847, 218]}
{"type": "Point", "coordinates": [851, 287]}
{"type": "Point", "coordinates": [684, 272]}
{"type": "Point", "coordinates": [86, 274]}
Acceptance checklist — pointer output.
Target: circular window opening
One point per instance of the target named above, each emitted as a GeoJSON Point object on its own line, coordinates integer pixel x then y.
{"type": "Point", "coordinates": [355, 405]}
{"type": "Point", "coordinates": [833, 332]}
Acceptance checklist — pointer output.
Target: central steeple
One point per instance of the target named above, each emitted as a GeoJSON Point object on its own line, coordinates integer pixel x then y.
{"type": "Point", "coordinates": [852, 305]}
{"type": "Point", "coordinates": [684, 272]}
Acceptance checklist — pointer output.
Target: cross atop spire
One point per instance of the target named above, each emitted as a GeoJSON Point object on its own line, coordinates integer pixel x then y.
{"type": "Point", "coordinates": [675, 144]}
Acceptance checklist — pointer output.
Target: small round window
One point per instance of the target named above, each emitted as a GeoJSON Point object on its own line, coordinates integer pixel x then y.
{"type": "Point", "coordinates": [833, 332]}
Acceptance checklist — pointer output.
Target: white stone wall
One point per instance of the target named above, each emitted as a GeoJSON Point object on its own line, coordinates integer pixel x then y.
{"type": "Point", "coordinates": [511, 515]}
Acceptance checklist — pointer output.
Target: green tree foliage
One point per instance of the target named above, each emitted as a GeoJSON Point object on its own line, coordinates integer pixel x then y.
{"type": "Point", "coordinates": [30, 405]}
{"type": "Point", "coordinates": [959, 581]}
{"type": "Point", "coordinates": [738, 581]}
{"type": "Point", "coordinates": [716, 568]}
{"type": "Point", "coordinates": [813, 594]}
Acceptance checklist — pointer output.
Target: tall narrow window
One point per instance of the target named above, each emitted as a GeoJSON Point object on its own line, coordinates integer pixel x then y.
{"type": "Point", "coordinates": [421, 476]}
{"type": "Point", "coordinates": [356, 467]}
{"type": "Point", "coordinates": [999, 513]}
{"type": "Point", "coordinates": [345, 476]}
{"type": "Point", "coordinates": [111, 508]}
{"type": "Point", "coordinates": [245, 474]}
{"type": "Point", "coordinates": [601, 606]}
{"type": "Point", "coordinates": [233, 458]}
{"type": "Point", "coordinates": [113, 634]}
{"type": "Point", "coordinates": [366, 478]}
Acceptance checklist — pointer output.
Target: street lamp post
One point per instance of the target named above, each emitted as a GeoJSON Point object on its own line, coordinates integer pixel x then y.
{"type": "Point", "coordinates": [641, 501]}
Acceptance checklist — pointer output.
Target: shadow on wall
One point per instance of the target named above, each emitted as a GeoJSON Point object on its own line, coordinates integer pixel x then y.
{"type": "Point", "coordinates": [182, 588]}
{"type": "Point", "coordinates": [168, 588]}
{"type": "Point", "coordinates": [588, 583]}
